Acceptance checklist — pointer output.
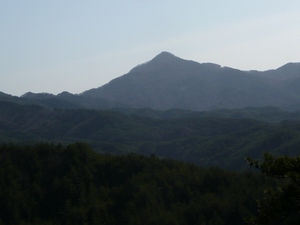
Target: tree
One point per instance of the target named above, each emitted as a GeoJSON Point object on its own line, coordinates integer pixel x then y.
{"type": "Point", "coordinates": [282, 205]}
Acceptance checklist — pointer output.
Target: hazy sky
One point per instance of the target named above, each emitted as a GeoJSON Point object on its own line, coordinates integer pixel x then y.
{"type": "Point", "coordinates": [60, 45]}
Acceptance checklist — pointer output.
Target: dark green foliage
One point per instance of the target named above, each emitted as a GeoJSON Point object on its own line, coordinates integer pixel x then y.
{"type": "Point", "coordinates": [282, 205]}
{"type": "Point", "coordinates": [53, 184]}
{"type": "Point", "coordinates": [267, 114]}
{"type": "Point", "coordinates": [205, 141]}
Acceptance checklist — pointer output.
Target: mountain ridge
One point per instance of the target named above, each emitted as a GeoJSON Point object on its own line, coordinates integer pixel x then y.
{"type": "Point", "coordinates": [167, 82]}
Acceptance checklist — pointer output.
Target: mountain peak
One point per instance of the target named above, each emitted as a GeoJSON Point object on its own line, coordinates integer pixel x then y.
{"type": "Point", "coordinates": [164, 56]}
{"type": "Point", "coordinates": [37, 95]}
{"type": "Point", "coordinates": [288, 71]}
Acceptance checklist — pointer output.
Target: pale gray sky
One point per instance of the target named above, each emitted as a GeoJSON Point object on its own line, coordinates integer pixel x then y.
{"type": "Point", "coordinates": [74, 45]}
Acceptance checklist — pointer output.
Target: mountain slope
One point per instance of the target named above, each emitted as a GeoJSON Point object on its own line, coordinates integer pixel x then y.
{"type": "Point", "coordinates": [168, 82]}
{"type": "Point", "coordinates": [204, 140]}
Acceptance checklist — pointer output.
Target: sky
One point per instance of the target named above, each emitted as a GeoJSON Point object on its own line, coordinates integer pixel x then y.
{"type": "Point", "coordinates": [74, 45]}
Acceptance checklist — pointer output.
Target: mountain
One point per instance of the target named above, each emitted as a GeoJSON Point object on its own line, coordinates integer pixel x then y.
{"type": "Point", "coordinates": [285, 72]}
{"type": "Point", "coordinates": [168, 82]}
{"type": "Point", "coordinates": [66, 100]}
{"type": "Point", "coordinates": [195, 137]}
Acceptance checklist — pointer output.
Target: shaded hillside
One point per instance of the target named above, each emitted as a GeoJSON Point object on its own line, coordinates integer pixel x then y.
{"type": "Point", "coordinates": [67, 100]}
{"type": "Point", "coordinates": [285, 72]}
{"type": "Point", "coordinates": [53, 184]}
{"type": "Point", "coordinates": [267, 114]}
{"type": "Point", "coordinates": [205, 140]}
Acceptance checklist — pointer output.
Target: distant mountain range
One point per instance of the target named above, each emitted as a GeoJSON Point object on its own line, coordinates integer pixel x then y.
{"type": "Point", "coordinates": [165, 107]}
{"type": "Point", "coordinates": [168, 82]}
{"type": "Point", "coordinates": [220, 138]}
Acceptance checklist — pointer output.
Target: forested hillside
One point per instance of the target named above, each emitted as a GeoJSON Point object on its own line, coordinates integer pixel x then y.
{"type": "Point", "coordinates": [205, 140]}
{"type": "Point", "coordinates": [53, 184]}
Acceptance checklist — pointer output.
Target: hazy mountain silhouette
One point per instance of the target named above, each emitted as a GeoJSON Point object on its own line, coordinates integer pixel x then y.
{"type": "Point", "coordinates": [167, 82]}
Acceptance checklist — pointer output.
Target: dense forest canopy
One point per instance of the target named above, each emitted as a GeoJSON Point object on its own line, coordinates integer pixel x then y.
{"type": "Point", "coordinates": [219, 138]}
{"type": "Point", "coordinates": [46, 179]}
{"type": "Point", "coordinates": [281, 205]}
{"type": "Point", "coordinates": [56, 184]}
